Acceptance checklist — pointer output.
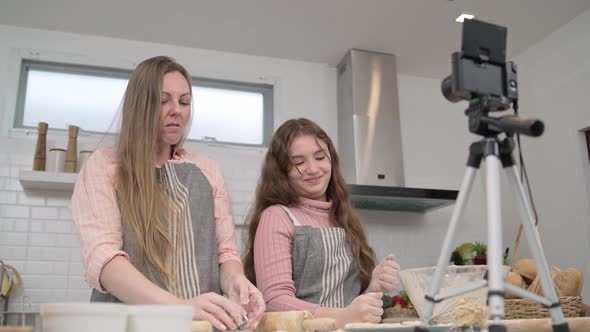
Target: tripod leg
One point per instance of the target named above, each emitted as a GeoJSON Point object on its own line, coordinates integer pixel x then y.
{"type": "Point", "coordinates": [494, 255]}
{"type": "Point", "coordinates": [445, 255]}
{"type": "Point", "coordinates": [534, 240]}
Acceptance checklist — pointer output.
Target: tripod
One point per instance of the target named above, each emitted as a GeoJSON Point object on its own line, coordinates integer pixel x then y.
{"type": "Point", "coordinates": [497, 153]}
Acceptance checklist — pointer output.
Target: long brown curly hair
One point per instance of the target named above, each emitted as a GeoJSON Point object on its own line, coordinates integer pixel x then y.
{"type": "Point", "coordinates": [274, 188]}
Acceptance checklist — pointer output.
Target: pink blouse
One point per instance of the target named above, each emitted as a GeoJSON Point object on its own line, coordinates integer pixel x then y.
{"type": "Point", "coordinates": [98, 220]}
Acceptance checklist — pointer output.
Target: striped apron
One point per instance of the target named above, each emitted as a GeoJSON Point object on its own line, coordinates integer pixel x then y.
{"type": "Point", "coordinates": [196, 266]}
{"type": "Point", "coordinates": [323, 265]}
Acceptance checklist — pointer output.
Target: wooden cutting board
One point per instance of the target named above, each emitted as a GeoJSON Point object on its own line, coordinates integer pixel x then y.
{"type": "Point", "coordinates": [287, 321]}
{"type": "Point", "coordinates": [576, 324]}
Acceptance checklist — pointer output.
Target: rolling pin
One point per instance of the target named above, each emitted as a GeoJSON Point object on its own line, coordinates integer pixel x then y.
{"type": "Point", "coordinates": [201, 326]}
{"type": "Point", "coordinates": [294, 321]}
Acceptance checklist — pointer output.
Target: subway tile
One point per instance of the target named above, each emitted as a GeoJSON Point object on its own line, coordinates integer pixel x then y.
{"type": "Point", "coordinates": [75, 269]}
{"type": "Point", "coordinates": [8, 197]}
{"type": "Point", "coordinates": [14, 211]}
{"type": "Point", "coordinates": [44, 213]}
{"type": "Point", "coordinates": [45, 282]}
{"type": "Point", "coordinates": [58, 201]}
{"type": "Point", "coordinates": [75, 282]}
{"type": "Point", "coordinates": [12, 252]}
{"type": "Point", "coordinates": [4, 170]}
{"type": "Point", "coordinates": [75, 255]}
{"type": "Point", "coordinates": [79, 295]}
{"type": "Point", "coordinates": [13, 239]}
{"type": "Point", "coordinates": [68, 241]}
{"type": "Point", "coordinates": [51, 254]}
{"type": "Point", "coordinates": [37, 226]}
{"type": "Point", "coordinates": [14, 170]}
{"type": "Point", "coordinates": [41, 296]}
{"type": "Point", "coordinates": [7, 225]}
{"type": "Point", "coordinates": [31, 198]}
{"type": "Point", "coordinates": [60, 268]}
{"type": "Point", "coordinates": [64, 213]}
{"type": "Point", "coordinates": [43, 239]}
{"type": "Point", "coordinates": [37, 267]}
{"type": "Point", "coordinates": [13, 184]}
{"type": "Point", "coordinates": [46, 268]}
{"type": "Point", "coordinates": [58, 226]}
{"type": "Point", "coordinates": [21, 225]}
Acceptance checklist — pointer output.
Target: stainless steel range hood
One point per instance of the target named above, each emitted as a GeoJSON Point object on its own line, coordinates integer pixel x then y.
{"type": "Point", "coordinates": [369, 137]}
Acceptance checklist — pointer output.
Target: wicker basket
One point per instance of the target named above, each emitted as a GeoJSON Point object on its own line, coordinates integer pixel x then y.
{"type": "Point", "coordinates": [525, 309]}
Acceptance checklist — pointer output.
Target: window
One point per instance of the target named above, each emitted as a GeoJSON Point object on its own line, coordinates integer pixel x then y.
{"type": "Point", "coordinates": [91, 97]}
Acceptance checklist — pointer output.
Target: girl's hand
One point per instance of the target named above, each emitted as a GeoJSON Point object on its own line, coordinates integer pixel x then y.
{"type": "Point", "coordinates": [385, 276]}
{"type": "Point", "coordinates": [365, 308]}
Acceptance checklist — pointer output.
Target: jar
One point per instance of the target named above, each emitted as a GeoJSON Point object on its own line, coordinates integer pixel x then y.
{"type": "Point", "coordinates": [84, 154]}
{"type": "Point", "coordinates": [56, 160]}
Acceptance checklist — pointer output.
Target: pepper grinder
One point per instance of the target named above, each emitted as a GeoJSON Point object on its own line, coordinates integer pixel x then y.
{"type": "Point", "coordinates": [71, 165]}
{"type": "Point", "coordinates": [40, 148]}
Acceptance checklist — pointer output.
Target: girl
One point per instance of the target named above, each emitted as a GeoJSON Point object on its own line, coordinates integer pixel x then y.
{"type": "Point", "coordinates": [307, 248]}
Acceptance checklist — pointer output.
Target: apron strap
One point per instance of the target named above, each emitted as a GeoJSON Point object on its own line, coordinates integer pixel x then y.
{"type": "Point", "coordinates": [291, 216]}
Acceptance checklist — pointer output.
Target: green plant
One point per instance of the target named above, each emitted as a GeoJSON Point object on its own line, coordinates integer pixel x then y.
{"type": "Point", "coordinates": [480, 249]}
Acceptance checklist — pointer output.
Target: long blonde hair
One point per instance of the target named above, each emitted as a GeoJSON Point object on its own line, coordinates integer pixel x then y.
{"type": "Point", "coordinates": [145, 206]}
{"type": "Point", "coordinates": [274, 188]}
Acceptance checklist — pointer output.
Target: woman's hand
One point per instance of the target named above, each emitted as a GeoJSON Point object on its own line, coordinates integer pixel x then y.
{"type": "Point", "coordinates": [240, 290]}
{"type": "Point", "coordinates": [385, 276]}
{"type": "Point", "coordinates": [221, 312]}
{"type": "Point", "coordinates": [365, 308]}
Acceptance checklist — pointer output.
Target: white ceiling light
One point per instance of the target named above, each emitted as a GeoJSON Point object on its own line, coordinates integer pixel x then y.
{"type": "Point", "coordinates": [464, 16]}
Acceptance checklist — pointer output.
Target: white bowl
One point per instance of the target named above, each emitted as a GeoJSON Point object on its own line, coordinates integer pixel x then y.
{"type": "Point", "coordinates": [87, 317]}
{"type": "Point", "coordinates": [159, 318]}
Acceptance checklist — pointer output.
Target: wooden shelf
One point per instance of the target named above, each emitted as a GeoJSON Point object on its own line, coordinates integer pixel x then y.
{"type": "Point", "coordinates": [40, 180]}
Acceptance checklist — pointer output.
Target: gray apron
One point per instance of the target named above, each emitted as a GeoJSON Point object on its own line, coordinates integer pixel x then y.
{"type": "Point", "coordinates": [196, 266]}
{"type": "Point", "coordinates": [323, 265]}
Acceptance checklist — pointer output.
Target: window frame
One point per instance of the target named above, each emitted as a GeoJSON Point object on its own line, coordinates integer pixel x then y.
{"type": "Point", "coordinates": [267, 91]}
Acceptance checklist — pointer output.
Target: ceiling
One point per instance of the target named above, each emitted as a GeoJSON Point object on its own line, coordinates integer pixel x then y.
{"type": "Point", "coordinates": [422, 33]}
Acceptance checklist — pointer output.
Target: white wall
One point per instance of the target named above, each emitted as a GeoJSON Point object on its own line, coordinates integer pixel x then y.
{"type": "Point", "coordinates": [554, 77]}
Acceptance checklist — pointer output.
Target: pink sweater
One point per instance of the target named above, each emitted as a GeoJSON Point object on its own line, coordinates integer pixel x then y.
{"type": "Point", "coordinates": [273, 250]}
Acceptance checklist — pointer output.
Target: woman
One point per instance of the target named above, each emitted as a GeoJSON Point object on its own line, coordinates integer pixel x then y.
{"type": "Point", "coordinates": [307, 248]}
{"type": "Point", "coordinates": [154, 221]}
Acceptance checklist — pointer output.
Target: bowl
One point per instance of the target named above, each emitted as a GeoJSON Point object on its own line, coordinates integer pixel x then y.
{"type": "Point", "coordinates": [87, 317]}
{"type": "Point", "coordinates": [158, 318]}
{"type": "Point", "coordinates": [417, 282]}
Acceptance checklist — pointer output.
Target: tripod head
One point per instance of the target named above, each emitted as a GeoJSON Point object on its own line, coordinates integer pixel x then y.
{"type": "Point", "coordinates": [481, 75]}
{"type": "Point", "coordinates": [481, 123]}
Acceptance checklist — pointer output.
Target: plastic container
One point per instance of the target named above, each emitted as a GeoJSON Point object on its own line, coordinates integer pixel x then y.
{"type": "Point", "coordinates": [87, 317]}
{"type": "Point", "coordinates": [158, 318]}
{"type": "Point", "coordinates": [417, 283]}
